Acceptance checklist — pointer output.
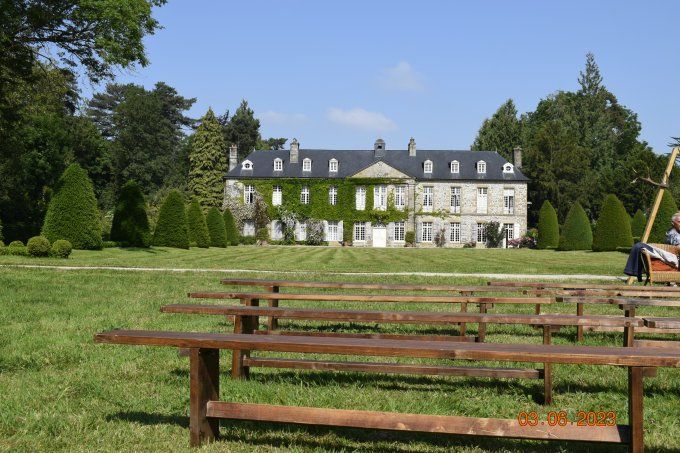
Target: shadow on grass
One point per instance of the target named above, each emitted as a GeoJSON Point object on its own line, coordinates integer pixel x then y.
{"type": "Point", "coordinates": [151, 250]}
{"type": "Point", "coordinates": [146, 418]}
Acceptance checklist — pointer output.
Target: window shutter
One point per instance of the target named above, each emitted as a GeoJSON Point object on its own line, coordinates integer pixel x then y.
{"type": "Point", "coordinates": [390, 231]}
{"type": "Point", "coordinates": [369, 231]}
{"type": "Point", "coordinates": [325, 230]}
{"type": "Point", "coordinates": [340, 231]}
{"type": "Point", "coordinates": [419, 231]}
{"type": "Point", "coordinates": [447, 232]}
{"type": "Point", "coordinates": [516, 228]}
{"type": "Point", "coordinates": [474, 232]}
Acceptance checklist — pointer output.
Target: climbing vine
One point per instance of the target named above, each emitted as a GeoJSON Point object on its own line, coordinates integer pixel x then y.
{"type": "Point", "coordinates": [319, 206]}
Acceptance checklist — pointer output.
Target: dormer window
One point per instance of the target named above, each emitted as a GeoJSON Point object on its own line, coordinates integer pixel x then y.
{"type": "Point", "coordinates": [278, 164]}
{"type": "Point", "coordinates": [427, 166]}
{"type": "Point", "coordinates": [481, 167]}
{"type": "Point", "coordinates": [307, 164]}
{"type": "Point", "coordinates": [455, 166]}
{"type": "Point", "coordinates": [508, 168]}
{"type": "Point", "coordinates": [247, 165]}
{"type": "Point", "coordinates": [333, 165]}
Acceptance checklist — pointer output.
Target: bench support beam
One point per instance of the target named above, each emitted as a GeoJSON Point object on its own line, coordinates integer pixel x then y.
{"type": "Point", "coordinates": [635, 412]}
{"type": "Point", "coordinates": [204, 386]}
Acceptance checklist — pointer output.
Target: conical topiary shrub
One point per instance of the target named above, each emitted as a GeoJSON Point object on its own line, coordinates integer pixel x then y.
{"type": "Point", "coordinates": [218, 234]}
{"type": "Point", "coordinates": [613, 226]}
{"type": "Point", "coordinates": [637, 224]}
{"type": "Point", "coordinates": [662, 222]}
{"type": "Point", "coordinates": [130, 227]}
{"type": "Point", "coordinates": [73, 214]}
{"type": "Point", "coordinates": [576, 232]}
{"type": "Point", "coordinates": [230, 228]}
{"type": "Point", "coordinates": [198, 229]}
{"type": "Point", "coordinates": [172, 229]}
{"type": "Point", "coordinates": [548, 228]}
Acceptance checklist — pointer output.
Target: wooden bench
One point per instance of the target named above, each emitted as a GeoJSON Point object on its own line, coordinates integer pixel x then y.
{"type": "Point", "coordinates": [570, 285]}
{"type": "Point", "coordinates": [246, 321]}
{"type": "Point", "coordinates": [206, 409]}
{"type": "Point", "coordinates": [463, 301]}
{"type": "Point", "coordinates": [629, 306]}
{"type": "Point", "coordinates": [275, 286]}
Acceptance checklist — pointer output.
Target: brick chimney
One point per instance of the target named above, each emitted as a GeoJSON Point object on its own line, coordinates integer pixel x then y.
{"type": "Point", "coordinates": [517, 157]}
{"type": "Point", "coordinates": [294, 151]}
{"type": "Point", "coordinates": [379, 148]}
{"type": "Point", "coordinates": [412, 148]}
{"type": "Point", "coordinates": [233, 156]}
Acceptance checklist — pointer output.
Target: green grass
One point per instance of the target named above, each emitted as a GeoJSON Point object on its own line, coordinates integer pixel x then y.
{"type": "Point", "coordinates": [60, 391]}
{"type": "Point", "coordinates": [349, 259]}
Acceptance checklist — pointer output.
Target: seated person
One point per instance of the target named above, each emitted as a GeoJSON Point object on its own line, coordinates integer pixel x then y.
{"type": "Point", "coordinates": [633, 266]}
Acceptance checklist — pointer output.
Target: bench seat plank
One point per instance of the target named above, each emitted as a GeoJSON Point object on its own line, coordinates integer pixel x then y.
{"type": "Point", "coordinates": [358, 285]}
{"type": "Point", "coordinates": [562, 285]}
{"type": "Point", "coordinates": [375, 336]}
{"type": "Point", "coordinates": [403, 317]}
{"type": "Point", "coordinates": [620, 301]}
{"type": "Point", "coordinates": [393, 368]}
{"type": "Point", "coordinates": [600, 293]}
{"type": "Point", "coordinates": [662, 323]}
{"type": "Point", "coordinates": [370, 298]}
{"type": "Point", "coordinates": [635, 357]}
{"type": "Point", "coordinates": [491, 427]}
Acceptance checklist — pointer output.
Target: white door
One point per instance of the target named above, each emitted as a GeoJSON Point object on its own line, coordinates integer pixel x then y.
{"type": "Point", "coordinates": [380, 236]}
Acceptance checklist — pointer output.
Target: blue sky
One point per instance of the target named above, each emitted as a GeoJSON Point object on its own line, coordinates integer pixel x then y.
{"type": "Point", "coordinates": [339, 75]}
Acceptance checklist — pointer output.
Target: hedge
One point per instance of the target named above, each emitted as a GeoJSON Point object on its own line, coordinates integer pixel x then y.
{"type": "Point", "coordinates": [130, 226]}
{"type": "Point", "coordinates": [216, 229]}
{"type": "Point", "coordinates": [172, 229]}
{"type": "Point", "coordinates": [198, 229]}
{"type": "Point", "coordinates": [638, 223]}
{"type": "Point", "coordinates": [61, 249]}
{"type": "Point", "coordinates": [38, 246]}
{"type": "Point", "coordinates": [662, 222]}
{"type": "Point", "coordinates": [548, 227]}
{"type": "Point", "coordinates": [73, 213]}
{"type": "Point", "coordinates": [230, 228]}
{"type": "Point", "coordinates": [613, 226]}
{"type": "Point", "coordinates": [576, 231]}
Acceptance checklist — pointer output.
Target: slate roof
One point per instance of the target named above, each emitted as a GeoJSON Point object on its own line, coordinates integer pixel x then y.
{"type": "Point", "coordinates": [351, 162]}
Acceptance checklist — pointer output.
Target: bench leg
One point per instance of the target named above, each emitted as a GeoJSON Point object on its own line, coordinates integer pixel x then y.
{"type": "Point", "coordinates": [272, 323]}
{"type": "Point", "coordinates": [547, 370]}
{"type": "Point", "coordinates": [629, 331]}
{"type": "Point", "coordinates": [461, 326]}
{"type": "Point", "coordinates": [635, 418]}
{"type": "Point", "coordinates": [481, 330]}
{"type": "Point", "coordinates": [204, 386]}
{"type": "Point", "coordinates": [579, 329]}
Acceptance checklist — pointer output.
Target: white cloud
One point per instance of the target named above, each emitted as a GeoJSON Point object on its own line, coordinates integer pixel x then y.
{"type": "Point", "coordinates": [361, 119]}
{"type": "Point", "coordinates": [289, 119]}
{"type": "Point", "coordinates": [402, 77]}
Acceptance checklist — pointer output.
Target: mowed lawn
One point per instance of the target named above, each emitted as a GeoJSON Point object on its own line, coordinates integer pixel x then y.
{"type": "Point", "coordinates": [60, 391]}
{"type": "Point", "coordinates": [350, 259]}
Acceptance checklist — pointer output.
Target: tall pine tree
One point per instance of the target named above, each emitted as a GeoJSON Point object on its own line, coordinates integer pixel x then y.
{"type": "Point", "coordinates": [208, 162]}
{"type": "Point", "coordinates": [501, 132]}
{"type": "Point", "coordinates": [243, 129]}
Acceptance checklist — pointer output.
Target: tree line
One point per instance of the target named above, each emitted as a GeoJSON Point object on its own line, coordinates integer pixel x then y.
{"type": "Point", "coordinates": [578, 146]}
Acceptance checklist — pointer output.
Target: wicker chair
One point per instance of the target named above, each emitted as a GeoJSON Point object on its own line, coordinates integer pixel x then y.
{"type": "Point", "coordinates": [657, 271]}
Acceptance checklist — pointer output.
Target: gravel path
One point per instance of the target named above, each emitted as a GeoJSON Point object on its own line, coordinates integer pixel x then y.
{"type": "Point", "coordinates": [420, 274]}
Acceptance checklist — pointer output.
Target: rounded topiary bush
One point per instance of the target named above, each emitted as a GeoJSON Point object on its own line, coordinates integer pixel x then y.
{"type": "Point", "coordinates": [216, 229]}
{"type": "Point", "coordinates": [662, 222]}
{"type": "Point", "coordinates": [637, 224]}
{"type": "Point", "coordinates": [548, 227]}
{"type": "Point", "coordinates": [38, 246]}
{"type": "Point", "coordinates": [61, 248]}
{"type": "Point", "coordinates": [16, 244]}
{"type": "Point", "coordinates": [198, 229]}
{"type": "Point", "coordinates": [130, 226]}
{"type": "Point", "coordinates": [171, 228]}
{"type": "Point", "coordinates": [230, 228]}
{"type": "Point", "coordinates": [73, 214]}
{"type": "Point", "coordinates": [613, 227]}
{"type": "Point", "coordinates": [576, 232]}
{"type": "Point", "coordinates": [16, 248]}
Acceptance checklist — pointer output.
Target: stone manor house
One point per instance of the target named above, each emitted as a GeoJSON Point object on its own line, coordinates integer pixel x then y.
{"type": "Point", "coordinates": [380, 194]}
